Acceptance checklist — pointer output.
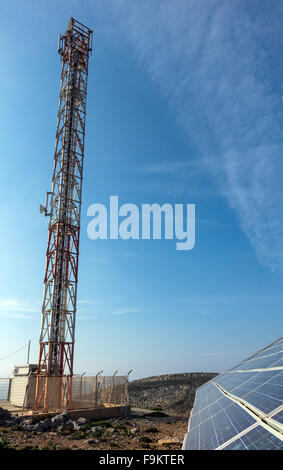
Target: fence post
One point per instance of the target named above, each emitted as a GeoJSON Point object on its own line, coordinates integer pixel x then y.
{"type": "Point", "coordinates": [127, 387]}
{"type": "Point", "coordinates": [9, 390]}
{"type": "Point", "coordinates": [97, 387]}
{"type": "Point", "coordinates": [26, 393]}
{"type": "Point", "coordinates": [81, 387]}
{"type": "Point", "coordinates": [113, 387]}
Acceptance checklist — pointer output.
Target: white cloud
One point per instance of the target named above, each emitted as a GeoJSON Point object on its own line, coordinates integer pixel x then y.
{"type": "Point", "coordinates": [211, 222]}
{"type": "Point", "coordinates": [14, 305]}
{"type": "Point", "coordinates": [214, 63]}
{"type": "Point", "coordinates": [18, 316]}
{"type": "Point", "coordinates": [175, 167]}
{"type": "Point", "coordinates": [125, 311]}
{"type": "Point", "coordinates": [213, 354]}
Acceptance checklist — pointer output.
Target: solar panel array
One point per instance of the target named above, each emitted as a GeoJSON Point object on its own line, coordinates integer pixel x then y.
{"type": "Point", "coordinates": [242, 408]}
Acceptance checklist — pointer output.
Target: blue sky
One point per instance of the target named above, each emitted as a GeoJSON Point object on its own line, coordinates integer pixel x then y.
{"type": "Point", "coordinates": [184, 106]}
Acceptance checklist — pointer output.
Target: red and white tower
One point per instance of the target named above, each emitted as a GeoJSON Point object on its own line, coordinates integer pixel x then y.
{"type": "Point", "coordinates": [63, 206]}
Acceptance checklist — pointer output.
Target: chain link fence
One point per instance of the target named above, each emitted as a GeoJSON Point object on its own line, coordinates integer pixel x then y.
{"type": "Point", "coordinates": [87, 391]}
{"type": "Point", "coordinates": [92, 392]}
{"type": "Point", "coordinates": [5, 387]}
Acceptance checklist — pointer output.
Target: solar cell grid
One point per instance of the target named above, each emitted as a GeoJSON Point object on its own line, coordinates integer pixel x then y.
{"type": "Point", "coordinates": [209, 411]}
{"type": "Point", "coordinates": [278, 363]}
{"type": "Point", "coordinates": [278, 417]}
{"type": "Point", "coordinates": [264, 376]}
{"type": "Point", "coordinates": [194, 421]}
{"type": "Point", "coordinates": [224, 424]}
{"type": "Point", "coordinates": [277, 345]}
{"type": "Point", "coordinates": [207, 436]}
{"type": "Point", "coordinates": [262, 401]}
{"type": "Point", "coordinates": [231, 380]}
{"type": "Point", "coordinates": [245, 386]}
{"type": "Point", "coordinates": [261, 362]}
{"type": "Point", "coordinates": [219, 428]}
{"type": "Point", "coordinates": [264, 391]}
{"type": "Point", "coordinates": [271, 349]}
{"type": "Point", "coordinates": [192, 440]}
{"type": "Point", "coordinates": [207, 396]}
{"type": "Point", "coordinates": [257, 438]}
{"type": "Point", "coordinates": [269, 352]}
{"type": "Point", "coordinates": [217, 418]}
{"type": "Point", "coordinates": [240, 418]}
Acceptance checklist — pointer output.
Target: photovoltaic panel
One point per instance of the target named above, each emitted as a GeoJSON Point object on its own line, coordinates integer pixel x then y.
{"type": "Point", "coordinates": [236, 401]}
{"type": "Point", "coordinates": [273, 348]}
{"type": "Point", "coordinates": [219, 428]}
{"type": "Point", "coordinates": [278, 417]}
{"type": "Point", "coordinates": [209, 411]}
{"type": "Point", "coordinates": [207, 396]}
{"type": "Point", "coordinates": [268, 351]}
{"type": "Point", "coordinates": [257, 438]}
{"type": "Point", "coordinates": [261, 362]}
{"type": "Point", "coordinates": [264, 391]}
{"type": "Point", "coordinates": [232, 380]}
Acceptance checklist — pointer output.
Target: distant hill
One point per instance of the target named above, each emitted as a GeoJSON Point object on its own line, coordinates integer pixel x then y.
{"type": "Point", "coordinates": [173, 393]}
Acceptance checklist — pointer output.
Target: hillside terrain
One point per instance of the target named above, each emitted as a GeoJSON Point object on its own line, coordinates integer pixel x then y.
{"type": "Point", "coordinates": [173, 393]}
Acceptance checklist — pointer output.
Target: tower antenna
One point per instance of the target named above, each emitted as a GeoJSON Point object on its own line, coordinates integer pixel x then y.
{"type": "Point", "coordinates": [63, 206]}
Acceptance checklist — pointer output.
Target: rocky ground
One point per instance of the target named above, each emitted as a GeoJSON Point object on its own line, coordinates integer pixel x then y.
{"type": "Point", "coordinates": [173, 394]}
{"type": "Point", "coordinates": [62, 433]}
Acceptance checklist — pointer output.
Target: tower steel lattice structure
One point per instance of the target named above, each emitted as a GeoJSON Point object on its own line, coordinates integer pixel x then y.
{"type": "Point", "coordinates": [63, 206]}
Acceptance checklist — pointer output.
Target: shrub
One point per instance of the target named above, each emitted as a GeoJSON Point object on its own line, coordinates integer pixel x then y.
{"type": "Point", "coordinates": [145, 439]}
{"type": "Point", "coordinates": [151, 430]}
{"type": "Point", "coordinates": [86, 427]}
{"type": "Point", "coordinates": [77, 435]}
{"type": "Point", "coordinates": [97, 433]}
{"type": "Point", "coordinates": [104, 424]}
{"type": "Point", "coordinates": [4, 442]}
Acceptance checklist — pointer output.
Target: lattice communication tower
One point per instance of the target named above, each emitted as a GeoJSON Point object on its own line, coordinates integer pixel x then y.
{"type": "Point", "coordinates": [63, 206]}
